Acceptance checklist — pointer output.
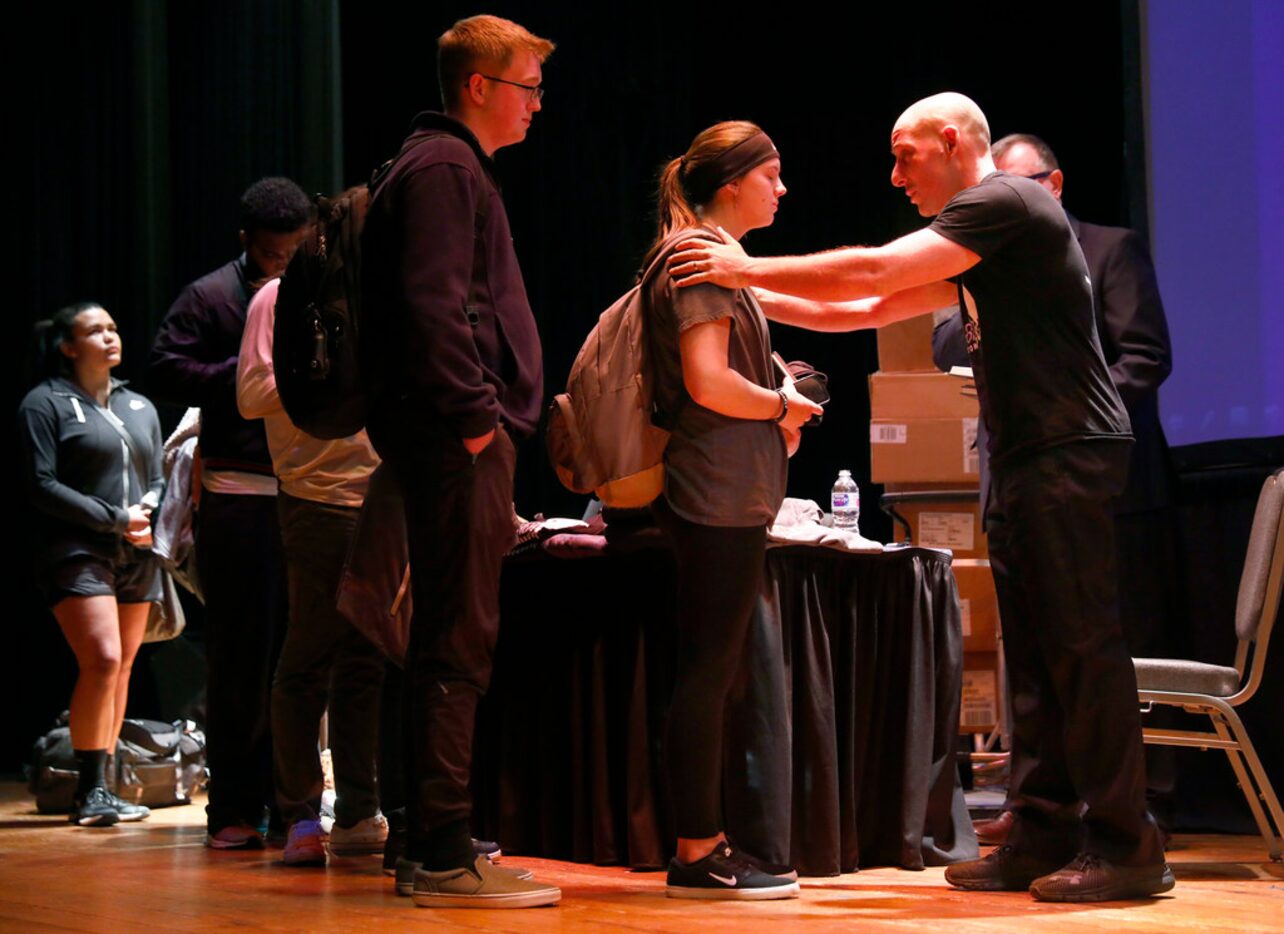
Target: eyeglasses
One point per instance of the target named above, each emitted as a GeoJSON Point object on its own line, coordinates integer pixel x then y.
{"type": "Point", "coordinates": [534, 91]}
{"type": "Point", "coordinates": [1040, 176]}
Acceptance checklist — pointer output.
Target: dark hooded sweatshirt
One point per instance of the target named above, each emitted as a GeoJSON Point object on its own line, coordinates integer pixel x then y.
{"type": "Point", "coordinates": [449, 327]}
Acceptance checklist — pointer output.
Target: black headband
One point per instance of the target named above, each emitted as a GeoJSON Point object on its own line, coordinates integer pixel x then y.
{"type": "Point", "coordinates": [700, 182]}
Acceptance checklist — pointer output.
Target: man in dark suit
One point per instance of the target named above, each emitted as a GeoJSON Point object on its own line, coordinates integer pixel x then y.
{"type": "Point", "coordinates": [1134, 340]}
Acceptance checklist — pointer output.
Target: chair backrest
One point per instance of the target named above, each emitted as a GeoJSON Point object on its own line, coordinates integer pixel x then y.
{"type": "Point", "coordinates": [1264, 556]}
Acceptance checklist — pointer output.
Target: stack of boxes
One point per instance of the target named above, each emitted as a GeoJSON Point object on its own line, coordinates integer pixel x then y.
{"type": "Point", "coordinates": [923, 439]}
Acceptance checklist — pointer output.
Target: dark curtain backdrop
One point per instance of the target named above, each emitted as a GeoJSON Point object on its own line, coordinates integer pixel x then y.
{"type": "Point", "coordinates": [136, 125]}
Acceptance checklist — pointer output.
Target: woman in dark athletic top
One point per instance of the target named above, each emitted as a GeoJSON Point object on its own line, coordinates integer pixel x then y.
{"type": "Point", "coordinates": [91, 453]}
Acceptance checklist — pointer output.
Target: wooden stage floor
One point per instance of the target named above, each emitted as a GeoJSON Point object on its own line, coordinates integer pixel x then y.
{"type": "Point", "coordinates": [158, 876]}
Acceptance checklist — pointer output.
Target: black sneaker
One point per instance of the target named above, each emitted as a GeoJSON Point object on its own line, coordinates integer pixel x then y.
{"type": "Point", "coordinates": [97, 809]}
{"type": "Point", "coordinates": [725, 874]}
{"type": "Point", "coordinates": [1089, 878]}
{"type": "Point", "coordinates": [395, 846]}
{"type": "Point", "coordinates": [129, 812]}
{"type": "Point", "coordinates": [771, 869]}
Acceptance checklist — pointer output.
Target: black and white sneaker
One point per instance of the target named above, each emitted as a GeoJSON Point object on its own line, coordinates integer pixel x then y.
{"type": "Point", "coordinates": [725, 874]}
{"type": "Point", "coordinates": [97, 809]}
{"type": "Point", "coordinates": [771, 869]}
{"type": "Point", "coordinates": [130, 812]}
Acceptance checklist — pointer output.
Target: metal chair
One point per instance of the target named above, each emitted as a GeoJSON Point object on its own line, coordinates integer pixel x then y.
{"type": "Point", "coordinates": [1215, 690]}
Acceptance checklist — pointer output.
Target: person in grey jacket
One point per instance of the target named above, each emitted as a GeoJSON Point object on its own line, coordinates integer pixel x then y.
{"type": "Point", "coordinates": [91, 453]}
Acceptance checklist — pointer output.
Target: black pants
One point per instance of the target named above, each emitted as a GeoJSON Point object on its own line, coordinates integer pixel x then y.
{"type": "Point", "coordinates": [1076, 732]}
{"type": "Point", "coordinates": [719, 576]}
{"type": "Point", "coordinates": [238, 556]}
{"type": "Point", "coordinates": [325, 661]}
{"type": "Point", "coordinates": [459, 522]}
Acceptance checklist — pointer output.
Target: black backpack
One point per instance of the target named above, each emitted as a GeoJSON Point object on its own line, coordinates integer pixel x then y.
{"type": "Point", "coordinates": [316, 349]}
{"type": "Point", "coordinates": [325, 387]}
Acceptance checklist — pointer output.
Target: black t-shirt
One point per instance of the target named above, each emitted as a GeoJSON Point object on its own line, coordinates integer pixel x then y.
{"type": "Point", "coordinates": [1028, 319]}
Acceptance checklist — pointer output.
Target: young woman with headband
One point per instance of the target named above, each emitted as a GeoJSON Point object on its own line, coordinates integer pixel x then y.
{"type": "Point", "coordinates": [733, 429]}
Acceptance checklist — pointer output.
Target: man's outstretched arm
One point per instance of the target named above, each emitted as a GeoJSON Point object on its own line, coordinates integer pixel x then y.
{"type": "Point", "coordinates": [840, 275]}
{"type": "Point", "coordinates": [862, 313]}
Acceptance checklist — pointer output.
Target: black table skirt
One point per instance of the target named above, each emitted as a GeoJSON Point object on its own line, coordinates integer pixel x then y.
{"type": "Point", "coordinates": [842, 724]}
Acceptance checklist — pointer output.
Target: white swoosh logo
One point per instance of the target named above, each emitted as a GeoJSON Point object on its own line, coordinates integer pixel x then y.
{"type": "Point", "coordinates": [725, 880]}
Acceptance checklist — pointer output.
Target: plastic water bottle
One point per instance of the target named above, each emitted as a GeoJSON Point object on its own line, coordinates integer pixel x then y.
{"type": "Point", "coordinates": [844, 502]}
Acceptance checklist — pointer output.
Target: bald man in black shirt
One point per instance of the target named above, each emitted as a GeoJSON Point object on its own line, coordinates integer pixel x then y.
{"type": "Point", "coordinates": [1002, 248]}
{"type": "Point", "coordinates": [1134, 340]}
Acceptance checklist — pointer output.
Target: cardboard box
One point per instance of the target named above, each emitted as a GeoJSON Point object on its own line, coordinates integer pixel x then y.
{"type": "Point", "coordinates": [939, 450]}
{"type": "Point", "coordinates": [979, 711]}
{"type": "Point", "coordinates": [921, 395]}
{"type": "Point", "coordinates": [979, 604]}
{"type": "Point", "coordinates": [955, 525]}
{"type": "Point", "coordinates": [907, 345]}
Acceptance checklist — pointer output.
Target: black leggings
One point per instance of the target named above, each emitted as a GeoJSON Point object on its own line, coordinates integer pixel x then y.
{"type": "Point", "coordinates": [718, 581]}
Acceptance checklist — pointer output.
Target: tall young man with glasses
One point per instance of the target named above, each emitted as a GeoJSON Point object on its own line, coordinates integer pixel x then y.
{"type": "Point", "coordinates": [452, 336]}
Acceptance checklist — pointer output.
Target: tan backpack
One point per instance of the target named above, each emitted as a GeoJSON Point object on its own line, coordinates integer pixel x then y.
{"type": "Point", "coordinates": [601, 437]}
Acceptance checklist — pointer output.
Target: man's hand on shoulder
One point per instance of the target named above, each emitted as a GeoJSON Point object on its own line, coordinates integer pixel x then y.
{"type": "Point", "coordinates": [704, 259]}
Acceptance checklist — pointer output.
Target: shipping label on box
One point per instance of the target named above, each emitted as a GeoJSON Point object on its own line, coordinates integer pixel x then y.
{"type": "Point", "coordinates": [888, 434]}
{"type": "Point", "coordinates": [980, 708]}
{"type": "Point", "coordinates": [953, 530]}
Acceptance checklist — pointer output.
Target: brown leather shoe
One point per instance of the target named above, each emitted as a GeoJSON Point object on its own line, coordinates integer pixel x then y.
{"type": "Point", "coordinates": [1089, 878]}
{"type": "Point", "coordinates": [1007, 869]}
{"type": "Point", "coordinates": [994, 831]}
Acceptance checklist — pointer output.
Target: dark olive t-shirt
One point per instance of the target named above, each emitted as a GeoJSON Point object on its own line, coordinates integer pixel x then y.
{"type": "Point", "coordinates": [1028, 320]}
{"type": "Point", "coordinates": [719, 470]}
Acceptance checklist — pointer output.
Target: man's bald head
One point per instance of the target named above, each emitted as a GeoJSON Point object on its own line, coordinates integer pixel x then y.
{"type": "Point", "coordinates": [941, 145]}
{"type": "Point", "coordinates": [949, 108]}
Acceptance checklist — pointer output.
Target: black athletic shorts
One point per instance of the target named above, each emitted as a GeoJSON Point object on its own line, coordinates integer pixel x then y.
{"type": "Point", "coordinates": [134, 580]}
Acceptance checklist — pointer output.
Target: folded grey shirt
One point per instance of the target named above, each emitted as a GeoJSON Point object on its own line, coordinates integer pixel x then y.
{"type": "Point", "coordinates": [799, 523]}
